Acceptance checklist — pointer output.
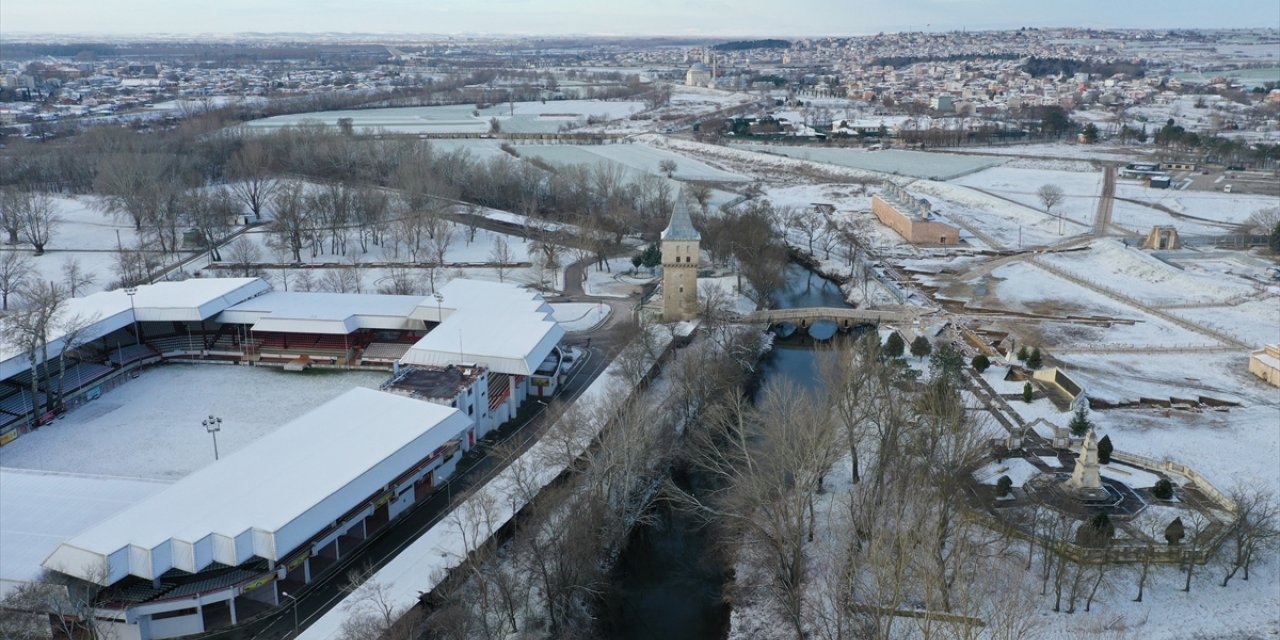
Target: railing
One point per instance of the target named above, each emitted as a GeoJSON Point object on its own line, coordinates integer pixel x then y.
{"type": "Point", "coordinates": [830, 313]}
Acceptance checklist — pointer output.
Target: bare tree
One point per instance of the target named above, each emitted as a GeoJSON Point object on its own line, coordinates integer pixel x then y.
{"type": "Point", "coordinates": [75, 277]}
{"type": "Point", "coordinates": [15, 270]}
{"type": "Point", "coordinates": [501, 256]}
{"type": "Point", "coordinates": [251, 179]}
{"type": "Point", "coordinates": [11, 203]}
{"type": "Point", "coordinates": [401, 281]}
{"type": "Point", "coordinates": [668, 166]}
{"type": "Point", "coordinates": [210, 214]}
{"type": "Point", "coordinates": [373, 613]}
{"type": "Point", "coordinates": [39, 218]}
{"type": "Point", "coordinates": [245, 255]}
{"type": "Point", "coordinates": [1256, 528]}
{"type": "Point", "coordinates": [291, 219]}
{"type": "Point", "coordinates": [1051, 196]}
{"type": "Point", "coordinates": [345, 279]}
{"type": "Point", "coordinates": [29, 325]}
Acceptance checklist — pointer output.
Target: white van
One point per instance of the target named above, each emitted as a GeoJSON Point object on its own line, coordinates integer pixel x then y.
{"type": "Point", "coordinates": [1226, 188]}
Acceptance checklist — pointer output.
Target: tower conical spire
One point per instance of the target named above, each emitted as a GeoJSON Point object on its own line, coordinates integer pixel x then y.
{"type": "Point", "coordinates": [681, 226]}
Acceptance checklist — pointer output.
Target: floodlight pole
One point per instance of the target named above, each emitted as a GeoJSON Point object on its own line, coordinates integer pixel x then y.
{"type": "Point", "coordinates": [213, 425]}
{"type": "Point", "coordinates": [133, 312]}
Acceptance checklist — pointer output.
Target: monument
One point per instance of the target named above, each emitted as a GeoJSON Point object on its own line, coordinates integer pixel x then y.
{"type": "Point", "coordinates": [1085, 480]}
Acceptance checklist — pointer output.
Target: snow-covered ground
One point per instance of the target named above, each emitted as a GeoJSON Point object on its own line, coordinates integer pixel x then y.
{"type": "Point", "coordinates": [1018, 470]}
{"type": "Point", "coordinates": [934, 166]}
{"type": "Point", "coordinates": [618, 281]}
{"type": "Point", "coordinates": [1138, 274]}
{"type": "Point", "coordinates": [580, 316]}
{"type": "Point", "coordinates": [1213, 206]}
{"type": "Point", "coordinates": [85, 235]}
{"type": "Point", "coordinates": [1010, 224]}
{"type": "Point", "coordinates": [150, 426]}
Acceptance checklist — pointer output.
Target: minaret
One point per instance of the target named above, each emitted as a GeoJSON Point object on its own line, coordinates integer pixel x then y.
{"type": "Point", "coordinates": [1085, 479]}
{"type": "Point", "coordinates": [680, 265]}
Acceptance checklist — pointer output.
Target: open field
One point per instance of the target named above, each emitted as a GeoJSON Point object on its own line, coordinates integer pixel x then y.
{"type": "Point", "coordinates": [933, 166]}
{"type": "Point", "coordinates": [522, 117]}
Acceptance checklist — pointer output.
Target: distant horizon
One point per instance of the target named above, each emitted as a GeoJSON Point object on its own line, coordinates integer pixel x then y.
{"type": "Point", "coordinates": [711, 19]}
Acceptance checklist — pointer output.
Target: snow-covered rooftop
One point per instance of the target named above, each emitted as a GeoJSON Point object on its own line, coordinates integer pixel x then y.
{"type": "Point", "coordinates": [39, 509]}
{"type": "Point", "coordinates": [316, 312]}
{"type": "Point", "coordinates": [106, 311]}
{"type": "Point", "coordinates": [504, 327]}
{"type": "Point", "coordinates": [269, 498]}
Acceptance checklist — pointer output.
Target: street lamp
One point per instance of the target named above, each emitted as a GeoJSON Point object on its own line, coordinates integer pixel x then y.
{"type": "Point", "coordinates": [213, 425]}
{"type": "Point", "coordinates": [439, 307]}
{"type": "Point", "coordinates": [132, 291]}
{"type": "Point", "coordinates": [295, 611]}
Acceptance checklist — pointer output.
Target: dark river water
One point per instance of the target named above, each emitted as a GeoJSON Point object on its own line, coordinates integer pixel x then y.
{"type": "Point", "coordinates": [671, 580]}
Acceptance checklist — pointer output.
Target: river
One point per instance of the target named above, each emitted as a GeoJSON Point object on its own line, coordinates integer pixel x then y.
{"type": "Point", "coordinates": [671, 579]}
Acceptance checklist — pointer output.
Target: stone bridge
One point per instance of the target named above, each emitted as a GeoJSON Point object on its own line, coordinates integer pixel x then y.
{"type": "Point", "coordinates": [843, 316]}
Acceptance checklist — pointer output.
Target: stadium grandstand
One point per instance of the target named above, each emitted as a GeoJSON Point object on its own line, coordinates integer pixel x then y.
{"type": "Point", "coordinates": [223, 543]}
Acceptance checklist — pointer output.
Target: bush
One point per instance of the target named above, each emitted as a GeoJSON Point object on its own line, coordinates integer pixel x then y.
{"type": "Point", "coordinates": [980, 363]}
{"type": "Point", "coordinates": [1097, 532]}
{"type": "Point", "coordinates": [1163, 490]}
{"type": "Point", "coordinates": [894, 346]}
{"type": "Point", "coordinates": [1004, 486]}
{"type": "Point", "coordinates": [1104, 450]}
{"type": "Point", "coordinates": [1027, 392]}
{"type": "Point", "coordinates": [1175, 532]}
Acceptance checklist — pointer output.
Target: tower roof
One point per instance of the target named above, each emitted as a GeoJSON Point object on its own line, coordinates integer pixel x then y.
{"type": "Point", "coordinates": [680, 227]}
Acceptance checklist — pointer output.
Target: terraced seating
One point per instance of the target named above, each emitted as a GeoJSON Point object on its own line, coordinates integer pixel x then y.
{"type": "Point", "coordinates": [386, 351]}
{"type": "Point", "coordinates": [131, 353]}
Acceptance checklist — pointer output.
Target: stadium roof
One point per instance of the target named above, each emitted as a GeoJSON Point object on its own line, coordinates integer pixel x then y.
{"type": "Point", "coordinates": [504, 327]}
{"type": "Point", "coordinates": [269, 498]}
{"type": "Point", "coordinates": [331, 313]}
{"type": "Point", "coordinates": [39, 509]}
{"type": "Point", "coordinates": [106, 311]}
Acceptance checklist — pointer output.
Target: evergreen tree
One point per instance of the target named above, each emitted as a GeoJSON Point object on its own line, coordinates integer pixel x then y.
{"type": "Point", "coordinates": [1080, 423]}
{"type": "Point", "coordinates": [894, 346]}
{"type": "Point", "coordinates": [1027, 393]}
{"type": "Point", "coordinates": [1003, 486]}
{"type": "Point", "coordinates": [1163, 489]}
{"type": "Point", "coordinates": [946, 361]}
{"type": "Point", "coordinates": [1097, 532]}
{"type": "Point", "coordinates": [1022, 353]}
{"type": "Point", "coordinates": [1033, 360]}
{"type": "Point", "coordinates": [1090, 133]}
{"type": "Point", "coordinates": [980, 362]}
{"type": "Point", "coordinates": [1175, 532]}
{"type": "Point", "coordinates": [920, 347]}
{"type": "Point", "coordinates": [1274, 241]}
{"type": "Point", "coordinates": [651, 257]}
{"type": "Point", "coordinates": [1104, 450]}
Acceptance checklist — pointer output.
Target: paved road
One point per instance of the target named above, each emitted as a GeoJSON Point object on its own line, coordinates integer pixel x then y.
{"type": "Point", "coordinates": [1102, 218]}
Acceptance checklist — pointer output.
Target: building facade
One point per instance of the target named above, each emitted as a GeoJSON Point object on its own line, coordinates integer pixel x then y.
{"type": "Point", "coordinates": [911, 218]}
{"type": "Point", "coordinates": [1265, 363]}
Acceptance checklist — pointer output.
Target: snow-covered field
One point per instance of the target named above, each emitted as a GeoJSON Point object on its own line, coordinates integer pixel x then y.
{"type": "Point", "coordinates": [1211, 206]}
{"type": "Point", "coordinates": [1010, 224]}
{"type": "Point", "coordinates": [1138, 274]}
{"type": "Point", "coordinates": [1081, 190]}
{"type": "Point", "coordinates": [934, 166]}
{"type": "Point", "coordinates": [150, 426]}
{"type": "Point", "coordinates": [616, 282]}
{"type": "Point", "coordinates": [522, 117]}
{"type": "Point", "coordinates": [635, 165]}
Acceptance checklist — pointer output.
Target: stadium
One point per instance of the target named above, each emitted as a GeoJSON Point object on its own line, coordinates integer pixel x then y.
{"type": "Point", "coordinates": [227, 540]}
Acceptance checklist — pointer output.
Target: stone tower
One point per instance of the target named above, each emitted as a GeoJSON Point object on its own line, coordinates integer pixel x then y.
{"type": "Point", "coordinates": [680, 266]}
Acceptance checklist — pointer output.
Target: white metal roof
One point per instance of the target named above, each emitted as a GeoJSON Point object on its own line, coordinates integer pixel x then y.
{"type": "Point", "coordinates": [39, 509]}
{"type": "Point", "coordinates": [189, 300]}
{"type": "Point", "coordinates": [504, 327]}
{"type": "Point", "coordinates": [317, 312]}
{"type": "Point", "coordinates": [267, 499]}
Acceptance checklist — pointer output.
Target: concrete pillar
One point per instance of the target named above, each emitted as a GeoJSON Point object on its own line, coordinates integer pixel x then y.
{"type": "Point", "coordinates": [306, 570]}
{"type": "Point", "coordinates": [234, 620]}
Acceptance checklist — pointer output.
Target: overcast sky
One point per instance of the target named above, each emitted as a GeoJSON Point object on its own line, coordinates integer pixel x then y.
{"type": "Point", "coordinates": [621, 17]}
